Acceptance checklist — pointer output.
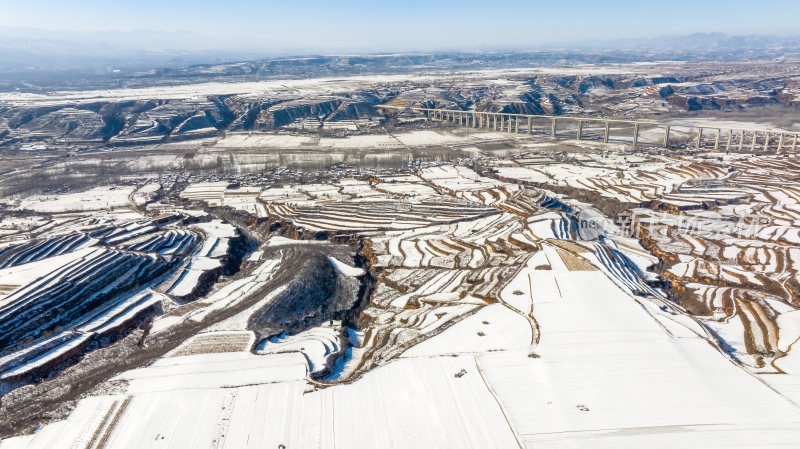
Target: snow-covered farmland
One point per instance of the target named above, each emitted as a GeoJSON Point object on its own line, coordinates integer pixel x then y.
{"type": "Point", "coordinates": [98, 198]}
{"type": "Point", "coordinates": [495, 318]}
{"type": "Point", "coordinates": [80, 279]}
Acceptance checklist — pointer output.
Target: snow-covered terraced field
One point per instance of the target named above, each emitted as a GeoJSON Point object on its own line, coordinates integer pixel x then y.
{"type": "Point", "coordinates": [495, 316]}
{"type": "Point", "coordinates": [647, 180]}
{"type": "Point", "coordinates": [735, 264]}
{"type": "Point", "coordinates": [725, 228]}
{"type": "Point", "coordinates": [84, 279]}
{"type": "Point", "coordinates": [599, 367]}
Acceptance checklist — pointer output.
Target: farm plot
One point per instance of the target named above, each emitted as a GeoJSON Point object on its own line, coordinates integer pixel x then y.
{"type": "Point", "coordinates": [98, 198]}
{"type": "Point", "coordinates": [736, 266]}
{"type": "Point", "coordinates": [646, 182]}
{"type": "Point", "coordinates": [215, 342]}
{"type": "Point", "coordinates": [451, 246]}
{"type": "Point", "coordinates": [366, 215]}
{"type": "Point", "coordinates": [210, 256]}
{"type": "Point", "coordinates": [486, 381]}
{"type": "Point", "coordinates": [71, 285]}
{"type": "Point", "coordinates": [495, 318]}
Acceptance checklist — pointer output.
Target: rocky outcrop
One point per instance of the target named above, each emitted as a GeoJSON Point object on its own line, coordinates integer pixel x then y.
{"type": "Point", "coordinates": [318, 293]}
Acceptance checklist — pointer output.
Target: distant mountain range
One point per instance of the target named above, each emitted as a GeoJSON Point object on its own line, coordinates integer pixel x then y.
{"type": "Point", "coordinates": [700, 42]}
{"type": "Point", "coordinates": [35, 59]}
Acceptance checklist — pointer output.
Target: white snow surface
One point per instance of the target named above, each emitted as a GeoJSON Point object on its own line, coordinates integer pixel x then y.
{"type": "Point", "coordinates": [610, 371]}
{"type": "Point", "coordinates": [346, 269]}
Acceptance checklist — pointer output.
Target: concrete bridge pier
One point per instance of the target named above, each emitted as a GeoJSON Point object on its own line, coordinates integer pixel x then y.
{"type": "Point", "coordinates": [510, 122]}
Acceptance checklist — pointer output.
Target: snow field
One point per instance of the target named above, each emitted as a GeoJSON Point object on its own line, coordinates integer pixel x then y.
{"type": "Point", "coordinates": [315, 344]}
{"type": "Point", "coordinates": [98, 198]}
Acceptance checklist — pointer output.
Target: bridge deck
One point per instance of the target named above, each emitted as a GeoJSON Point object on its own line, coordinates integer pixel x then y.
{"type": "Point", "coordinates": [720, 137]}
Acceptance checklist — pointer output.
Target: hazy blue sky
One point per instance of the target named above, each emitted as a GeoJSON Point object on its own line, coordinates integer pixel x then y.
{"type": "Point", "coordinates": [409, 24]}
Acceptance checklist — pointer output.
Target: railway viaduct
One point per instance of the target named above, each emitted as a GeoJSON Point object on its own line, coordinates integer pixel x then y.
{"type": "Point", "coordinates": [705, 136]}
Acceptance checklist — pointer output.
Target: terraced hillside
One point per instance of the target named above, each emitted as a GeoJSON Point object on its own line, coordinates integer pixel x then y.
{"type": "Point", "coordinates": [443, 244]}
{"type": "Point", "coordinates": [725, 230]}
{"type": "Point", "coordinates": [73, 282]}
{"type": "Point", "coordinates": [153, 115]}
{"type": "Point", "coordinates": [475, 303]}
